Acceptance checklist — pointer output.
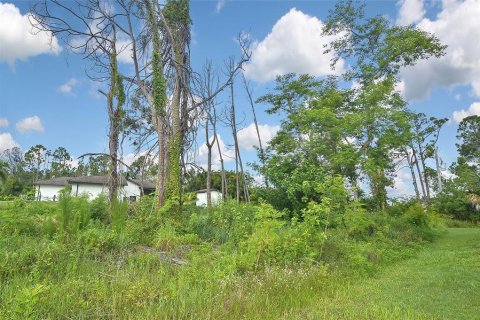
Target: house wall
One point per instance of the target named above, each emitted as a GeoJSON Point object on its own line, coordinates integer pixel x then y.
{"type": "Point", "coordinates": [202, 198]}
{"type": "Point", "coordinates": [130, 190]}
{"type": "Point", "coordinates": [47, 193]}
{"type": "Point", "coordinates": [92, 190]}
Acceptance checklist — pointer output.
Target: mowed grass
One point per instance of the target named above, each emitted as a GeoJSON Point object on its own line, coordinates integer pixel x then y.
{"type": "Point", "coordinates": [441, 282]}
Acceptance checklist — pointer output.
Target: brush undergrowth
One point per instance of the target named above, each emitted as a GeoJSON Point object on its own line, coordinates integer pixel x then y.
{"type": "Point", "coordinates": [74, 260]}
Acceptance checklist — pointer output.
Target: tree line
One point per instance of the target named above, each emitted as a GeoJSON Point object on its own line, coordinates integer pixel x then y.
{"type": "Point", "coordinates": [356, 136]}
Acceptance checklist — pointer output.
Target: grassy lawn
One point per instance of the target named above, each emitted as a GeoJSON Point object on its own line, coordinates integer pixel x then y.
{"type": "Point", "coordinates": [441, 282]}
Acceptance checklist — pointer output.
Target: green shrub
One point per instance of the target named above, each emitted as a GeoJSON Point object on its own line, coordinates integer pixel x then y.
{"type": "Point", "coordinates": [417, 215]}
{"type": "Point", "coordinates": [228, 222]}
{"type": "Point", "coordinates": [359, 223]}
{"type": "Point", "coordinates": [99, 208]}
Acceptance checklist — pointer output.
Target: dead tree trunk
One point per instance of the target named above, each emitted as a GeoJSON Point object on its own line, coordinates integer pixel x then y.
{"type": "Point", "coordinates": [260, 147]}
{"type": "Point", "coordinates": [209, 158]}
{"type": "Point", "coordinates": [412, 172]}
{"type": "Point", "coordinates": [420, 176]}
{"type": "Point", "coordinates": [238, 158]}
{"type": "Point", "coordinates": [424, 167]}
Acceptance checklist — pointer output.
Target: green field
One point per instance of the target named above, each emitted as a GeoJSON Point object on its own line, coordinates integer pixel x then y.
{"type": "Point", "coordinates": [441, 282]}
{"type": "Point", "coordinates": [62, 261]}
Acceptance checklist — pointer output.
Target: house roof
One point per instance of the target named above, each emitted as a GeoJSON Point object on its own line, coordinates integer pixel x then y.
{"type": "Point", "coordinates": [58, 181]}
{"type": "Point", "coordinates": [205, 190]}
{"type": "Point", "coordinates": [149, 185]}
{"type": "Point", "coordinates": [103, 180]}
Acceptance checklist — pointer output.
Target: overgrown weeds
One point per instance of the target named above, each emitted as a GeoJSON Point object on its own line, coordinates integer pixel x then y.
{"type": "Point", "coordinates": [67, 259]}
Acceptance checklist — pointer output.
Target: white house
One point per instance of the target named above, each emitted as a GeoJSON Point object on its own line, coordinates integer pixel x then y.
{"type": "Point", "coordinates": [49, 190]}
{"type": "Point", "coordinates": [92, 186]}
{"type": "Point", "coordinates": [202, 197]}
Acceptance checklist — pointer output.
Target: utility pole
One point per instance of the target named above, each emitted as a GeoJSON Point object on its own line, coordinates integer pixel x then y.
{"type": "Point", "coordinates": [439, 173]}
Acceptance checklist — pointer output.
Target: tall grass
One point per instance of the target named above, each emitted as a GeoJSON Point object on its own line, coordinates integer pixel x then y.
{"type": "Point", "coordinates": [229, 261]}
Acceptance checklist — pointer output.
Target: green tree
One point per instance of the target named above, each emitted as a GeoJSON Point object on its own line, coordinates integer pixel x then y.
{"type": "Point", "coordinates": [3, 174]}
{"type": "Point", "coordinates": [469, 136]}
{"type": "Point", "coordinates": [467, 168]}
{"type": "Point", "coordinates": [378, 50]}
{"type": "Point", "coordinates": [61, 163]}
{"type": "Point", "coordinates": [34, 158]}
{"type": "Point", "coordinates": [461, 195]}
{"type": "Point", "coordinates": [17, 179]}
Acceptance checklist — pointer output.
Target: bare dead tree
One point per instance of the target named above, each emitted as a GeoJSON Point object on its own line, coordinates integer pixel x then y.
{"type": "Point", "coordinates": [239, 172]}
{"type": "Point", "coordinates": [222, 166]}
{"type": "Point", "coordinates": [87, 28]}
{"type": "Point", "coordinates": [210, 119]}
{"type": "Point", "coordinates": [249, 92]}
{"type": "Point", "coordinates": [410, 162]}
{"type": "Point", "coordinates": [157, 35]}
{"type": "Point", "coordinates": [161, 56]}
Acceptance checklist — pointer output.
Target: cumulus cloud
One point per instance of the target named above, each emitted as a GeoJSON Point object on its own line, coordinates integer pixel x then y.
{"type": "Point", "coordinates": [456, 25]}
{"type": "Point", "coordinates": [473, 110]}
{"type": "Point", "coordinates": [3, 122]}
{"type": "Point", "coordinates": [248, 139]}
{"type": "Point", "coordinates": [201, 157]}
{"type": "Point", "coordinates": [124, 49]}
{"type": "Point", "coordinates": [29, 124]}
{"type": "Point", "coordinates": [7, 142]}
{"type": "Point", "coordinates": [67, 87]}
{"type": "Point", "coordinates": [402, 184]}
{"type": "Point", "coordinates": [295, 44]}
{"type": "Point", "coordinates": [410, 11]}
{"type": "Point", "coordinates": [19, 40]}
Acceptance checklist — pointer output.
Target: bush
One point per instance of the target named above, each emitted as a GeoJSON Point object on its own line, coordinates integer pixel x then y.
{"type": "Point", "coordinates": [359, 223]}
{"type": "Point", "coordinates": [228, 222]}
{"type": "Point", "coordinates": [454, 202]}
{"type": "Point", "coordinates": [99, 208]}
{"type": "Point", "coordinates": [417, 215]}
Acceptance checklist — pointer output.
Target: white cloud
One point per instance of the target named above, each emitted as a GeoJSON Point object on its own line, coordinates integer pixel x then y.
{"type": "Point", "coordinates": [124, 49]}
{"type": "Point", "coordinates": [3, 122]}
{"type": "Point", "coordinates": [202, 154]}
{"type": "Point", "coordinates": [458, 96]}
{"type": "Point", "coordinates": [411, 11]}
{"type": "Point", "coordinates": [473, 110]}
{"type": "Point", "coordinates": [456, 25]}
{"type": "Point", "coordinates": [19, 40]}
{"type": "Point", "coordinates": [29, 125]}
{"type": "Point", "coordinates": [295, 44]}
{"type": "Point", "coordinates": [73, 163]}
{"type": "Point", "coordinates": [400, 87]}
{"type": "Point", "coordinates": [7, 142]}
{"type": "Point", "coordinates": [67, 87]}
{"type": "Point", "coordinates": [248, 138]}
{"type": "Point", "coordinates": [402, 184]}
{"type": "Point", "coordinates": [219, 6]}
{"type": "Point", "coordinates": [130, 158]}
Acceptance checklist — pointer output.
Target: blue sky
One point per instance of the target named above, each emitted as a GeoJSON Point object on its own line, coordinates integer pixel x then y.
{"type": "Point", "coordinates": [46, 97]}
